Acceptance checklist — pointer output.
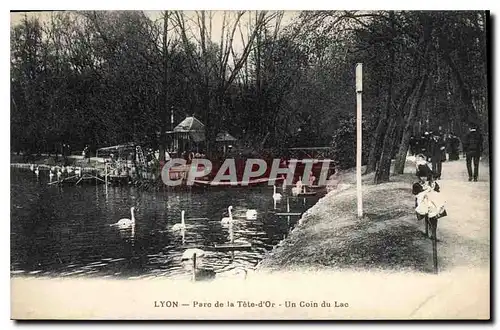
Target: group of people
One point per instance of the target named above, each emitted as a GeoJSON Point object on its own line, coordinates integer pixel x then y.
{"type": "Point", "coordinates": [433, 147]}
{"type": "Point", "coordinates": [429, 204]}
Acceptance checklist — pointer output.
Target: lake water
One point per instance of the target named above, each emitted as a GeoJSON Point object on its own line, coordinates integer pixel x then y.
{"type": "Point", "coordinates": [65, 231]}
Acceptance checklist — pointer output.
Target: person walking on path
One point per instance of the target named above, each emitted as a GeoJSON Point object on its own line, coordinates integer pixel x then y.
{"type": "Point", "coordinates": [412, 145]}
{"type": "Point", "coordinates": [424, 146]}
{"type": "Point", "coordinates": [453, 147]}
{"type": "Point", "coordinates": [437, 148]}
{"type": "Point", "coordinates": [473, 147]}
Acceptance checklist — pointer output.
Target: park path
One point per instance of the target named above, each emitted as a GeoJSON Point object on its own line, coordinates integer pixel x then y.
{"type": "Point", "coordinates": [464, 235]}
{"type": "Point", "coordinates": [463, 247]}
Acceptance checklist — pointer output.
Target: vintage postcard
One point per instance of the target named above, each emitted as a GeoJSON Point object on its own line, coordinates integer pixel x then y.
{"type": "Point", "coordinates": [256, 165]}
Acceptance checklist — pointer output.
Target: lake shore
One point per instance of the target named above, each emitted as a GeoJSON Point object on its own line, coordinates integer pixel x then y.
{"type": "Point", "coordinates": [330, 236]}
{"type": "Point", "coordinates": [388, 237]}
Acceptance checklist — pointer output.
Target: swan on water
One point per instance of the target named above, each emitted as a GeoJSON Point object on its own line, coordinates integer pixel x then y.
{"type": "Point", "coordinates": [299, 184]}
{"type": "Point", "coordinates": [228, 219]}
{"type": "Point", "coordinates": [312, 178]}
{"type": "Point", "coordinates": [207, 274]}
{"type": "Point", "coordinates": [298, 188]}
{"type": "Point", "coordinates": [126, 223]}
{"type": "Point", "coordinates": [181, 225]}
{"type": "Point", "coordinates": [276, 196]}
{"type": "Point", "coordinates": [190, 261]}
{"type": "Point", "coordinates": [251, 214]}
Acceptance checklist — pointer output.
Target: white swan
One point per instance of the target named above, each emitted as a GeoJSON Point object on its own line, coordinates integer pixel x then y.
{"type": "Point", "coordinates": [251, 214]}
{"type": "Point", "coordinates": [276, 196]}
{"type": "Point", "coordinates": [181, 225]}
{"type": "Point", "coordinates": [299, 184]}
{"type": "Point", "coordinates": [188, 260]}
{"type": "Point", "coordinates": [126, 223]}
{"type": "Point", "coordinates": [228, 219]}
{"type": "Point", "coordinates": [298, 188]}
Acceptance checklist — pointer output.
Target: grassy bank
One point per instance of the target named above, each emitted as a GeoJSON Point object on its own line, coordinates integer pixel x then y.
{"type": "Point", "coordinates": [331, 236]}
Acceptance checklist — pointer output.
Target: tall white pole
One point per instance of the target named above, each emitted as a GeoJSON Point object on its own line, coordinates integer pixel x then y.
{"type": "Point", "coordinates": [359, 97]}
{"type": "Point", "coordinates": [106, 177]}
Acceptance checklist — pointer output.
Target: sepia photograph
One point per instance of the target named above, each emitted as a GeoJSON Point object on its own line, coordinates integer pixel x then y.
{"type": "Point", "coordinates": [250, 165]}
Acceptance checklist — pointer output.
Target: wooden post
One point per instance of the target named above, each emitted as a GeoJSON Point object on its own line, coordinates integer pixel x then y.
{"type": "Point", "coordinates": [106, 176]}
{"type": "Point", "coordinates": [288, 211]}
{"type": "Point", "coordinates": [434, 250]}
{"type": "Point", "coordinates": [426, 224]}
{"type": "Point", "coordinates": [194, 267]}
{"type": "Point", "coordinates": [433, 225]}
{"type": "Point", "coordinates": [231, 239]}
{"type": "Point", "coordinates": [359, 96]}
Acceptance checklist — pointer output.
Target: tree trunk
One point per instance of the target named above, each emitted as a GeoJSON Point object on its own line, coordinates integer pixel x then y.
{"type": "Point", "coordinates": [376, 144]}
{"type": "Point", "coordinates": [164, 111]}
{"type": "Point", "coordinates": [383, 170]}
{"type": "Point", "coordinates": [379, 138]}
{"type": "Point", "coordinates": [399, 164]}
{"type": "Point", "coordinates": [471, 114]}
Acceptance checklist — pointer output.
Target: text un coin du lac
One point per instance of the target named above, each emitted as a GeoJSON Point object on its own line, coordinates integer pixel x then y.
{"type": "Point", "coordinates": [252, 304]}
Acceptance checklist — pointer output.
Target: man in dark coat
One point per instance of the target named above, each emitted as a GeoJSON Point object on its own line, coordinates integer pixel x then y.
{"type": "Point", "coordinates": [453, 146]}
{"type": "Point", "coordinates": [473, 147]}
{"type": "Point", "coordinates": [424, 146]}
{"type": "Point", "coordinates": [437, 147]}
{"type": "Point", "coordinates": [413, 145]}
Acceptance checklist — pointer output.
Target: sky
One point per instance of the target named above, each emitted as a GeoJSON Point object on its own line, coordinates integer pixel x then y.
{"type": "Point", "coordinates": [216, 21]}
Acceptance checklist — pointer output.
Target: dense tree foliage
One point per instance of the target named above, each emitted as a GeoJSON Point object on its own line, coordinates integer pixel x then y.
{"type": "Point", "coordinates": [102, 78]}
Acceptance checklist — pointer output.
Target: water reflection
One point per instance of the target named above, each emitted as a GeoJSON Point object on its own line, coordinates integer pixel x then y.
{"type": "Point", "coordinates": [65, 230]}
